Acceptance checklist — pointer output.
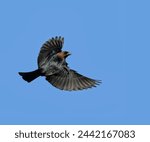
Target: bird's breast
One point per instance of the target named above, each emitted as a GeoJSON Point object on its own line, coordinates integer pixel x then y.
{"type": "Point", "coordinates": [50, 66]}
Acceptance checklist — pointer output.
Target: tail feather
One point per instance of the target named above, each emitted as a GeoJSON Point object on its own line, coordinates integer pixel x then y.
{"type": "Point", "coordinates": [30, 76]}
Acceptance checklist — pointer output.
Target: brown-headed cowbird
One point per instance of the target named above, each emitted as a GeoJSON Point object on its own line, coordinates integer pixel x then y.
{"type": "Point", "coordinates": [52, 64]}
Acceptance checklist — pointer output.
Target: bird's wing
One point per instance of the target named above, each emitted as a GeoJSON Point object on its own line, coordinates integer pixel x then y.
{"type": "Point", "coordinates": [71, 81]}
{"type": "Point", "coordinates": [50, 47]}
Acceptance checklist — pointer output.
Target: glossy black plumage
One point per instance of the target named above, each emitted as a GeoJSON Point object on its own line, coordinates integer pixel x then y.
{"type": "Point", "coordinates": [52, 64]}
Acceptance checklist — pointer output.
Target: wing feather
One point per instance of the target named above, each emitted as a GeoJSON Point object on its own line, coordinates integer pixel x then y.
{"type": "Point", "coordinates": [71, 81]}
{"type": "Point", "coordinates": [49, 48]}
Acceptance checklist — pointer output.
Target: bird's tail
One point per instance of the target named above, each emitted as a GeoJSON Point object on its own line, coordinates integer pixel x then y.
{"type": "Point", "coordinates": [30, 76]}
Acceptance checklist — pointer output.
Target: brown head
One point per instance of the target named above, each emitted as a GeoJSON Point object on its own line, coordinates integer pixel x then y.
{"type": "Point", "coordinates": [63, 54]}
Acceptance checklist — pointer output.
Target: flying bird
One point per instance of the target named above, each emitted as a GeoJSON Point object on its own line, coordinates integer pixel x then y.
{"type": "Point", "coordinates": [52, 64]}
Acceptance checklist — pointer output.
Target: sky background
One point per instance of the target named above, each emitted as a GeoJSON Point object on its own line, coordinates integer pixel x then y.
{"type": "Point", "coordinates": [109, 40]}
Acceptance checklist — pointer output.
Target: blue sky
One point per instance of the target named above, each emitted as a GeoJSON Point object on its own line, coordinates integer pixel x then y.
{"type": "Point", "coordinates": [109, 40]}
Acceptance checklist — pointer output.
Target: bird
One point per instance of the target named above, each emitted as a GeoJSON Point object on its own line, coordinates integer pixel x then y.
{"type": "Point", "coordinates": [53, 66]}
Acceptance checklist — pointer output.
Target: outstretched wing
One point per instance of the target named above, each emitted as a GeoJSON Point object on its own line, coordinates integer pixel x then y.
{"type": "Point", "coordinates": [71, 80]}
{"type": "Point", "coordinates": [50, 47]}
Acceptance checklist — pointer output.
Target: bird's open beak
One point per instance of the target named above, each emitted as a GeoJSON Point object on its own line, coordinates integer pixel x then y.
{"type": "Point", "coordinates": [68, 54]}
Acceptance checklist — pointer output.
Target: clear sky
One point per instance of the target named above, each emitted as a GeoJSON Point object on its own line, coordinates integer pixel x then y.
{"type": "Point", "coordinates": [109, 40]}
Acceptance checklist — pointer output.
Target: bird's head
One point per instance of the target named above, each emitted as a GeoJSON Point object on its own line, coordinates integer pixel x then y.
{"type": "Point", "coordinates": [63, 54]}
